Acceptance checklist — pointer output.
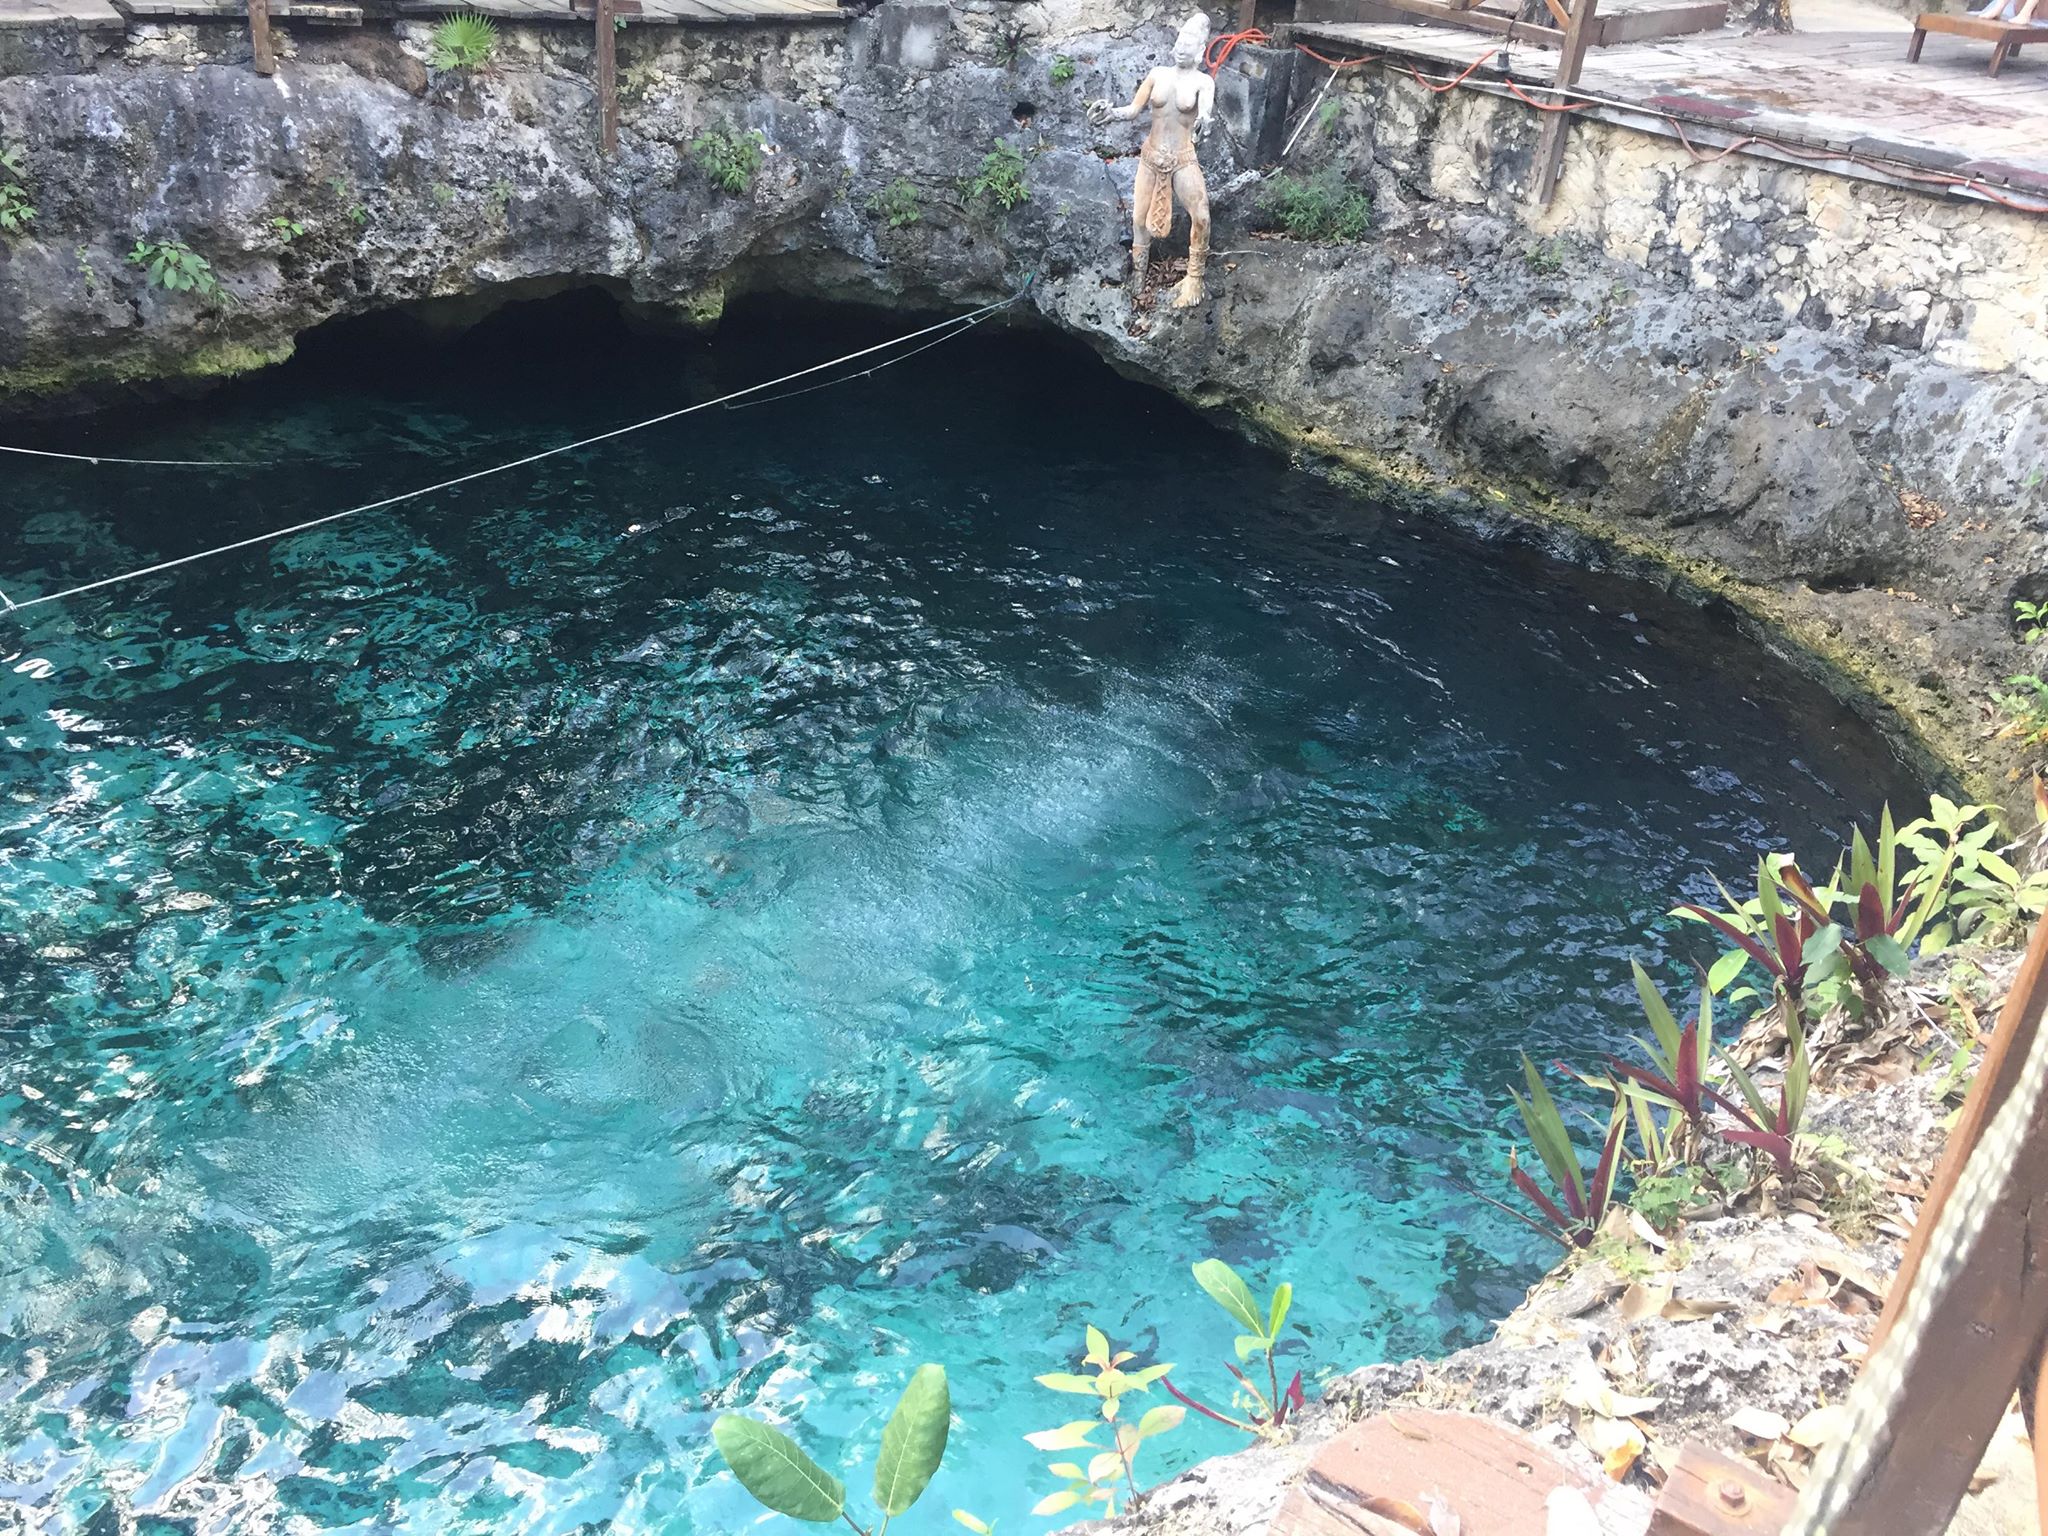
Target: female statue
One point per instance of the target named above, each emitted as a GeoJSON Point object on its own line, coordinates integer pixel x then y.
{"type": "Point", "coordinates": [1182, 96]}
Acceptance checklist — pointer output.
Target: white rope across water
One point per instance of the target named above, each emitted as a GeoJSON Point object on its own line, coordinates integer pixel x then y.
{"type": "Point", "coordinates": [107, 458]}
{"type": "Point", "coordinates": [952, 328]}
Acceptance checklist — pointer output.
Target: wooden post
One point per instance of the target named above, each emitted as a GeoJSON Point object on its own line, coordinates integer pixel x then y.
{"type": "Point", "coordinates": [1571, 57]}
{"type": "Point", "coordinates": [1965, 1326]}
{"type": "Point", "coordinates": [607, 78]}
{"type": "Point", "coordinates": [259, 37]}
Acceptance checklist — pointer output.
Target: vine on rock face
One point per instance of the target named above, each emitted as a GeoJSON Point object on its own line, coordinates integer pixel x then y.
{"type": "Point", "coordinates": [175, 267]}
{"type": "Point", "coordinates": [16, 211]}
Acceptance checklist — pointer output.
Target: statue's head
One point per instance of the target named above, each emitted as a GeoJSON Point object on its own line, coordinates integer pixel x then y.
{"type": "Point", "coordinates": [1193, 41]}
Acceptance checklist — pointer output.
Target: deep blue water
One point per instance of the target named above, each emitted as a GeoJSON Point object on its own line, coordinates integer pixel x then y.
{"type": "Point", "coordinates": [715, 921]}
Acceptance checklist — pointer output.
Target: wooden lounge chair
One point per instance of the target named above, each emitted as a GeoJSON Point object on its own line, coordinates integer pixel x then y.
{"type": "Point", "coordinates": [2005, 37]}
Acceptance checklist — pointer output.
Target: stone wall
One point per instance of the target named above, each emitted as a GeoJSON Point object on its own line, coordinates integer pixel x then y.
{"type": "Point", "coordinates": [1823, 401]}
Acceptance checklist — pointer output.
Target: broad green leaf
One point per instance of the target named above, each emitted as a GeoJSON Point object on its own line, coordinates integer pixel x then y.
{"type": "Point", "coordinates": [1067, 1437]}
{"type": "Point", "coordinates": [1662, 1024]}
{"type": "Point", "coordinates": [1067, 1381]}
{"type": "Point", "coordinates": [1726, 969]}
{"type": "Point", "coordinates": [1068, 1469]}
{"type": "Point", "coordinates": [1547, 1130]}
{"type": "Point", "coordinates": [974, 1523]}
{"type": "Point", "coordinates": [1885, 950]}
{"type": "Point", "coordinates": [1127, 1440]}
{"type": "Point", "coordinates": [1249, 1344]}
{"type": "Point", "coordinates": [1999, 867]}
{"type": "Point", "coordinates": [914, 1441]}
{"type": "Point", "coordinates": [1098, 1347]}
{"type": "Point", "coordinates": [1822, 945]}
{"type": "Point", "coordinates": [1158, 1421]}
{"type": "Point", "coordinates": [1056, 1503]}
{"type": "Point", "coordinates": [1229, 1292]}
{"type": "Point", "coordinates": [1140, 1380]}
{"type": "Point", "coordinates": [1276, 1314]}
{"type": "Point", "coordinates": [774, 1469]}
{"type": "Point", "coordinates": [1108, 1464]}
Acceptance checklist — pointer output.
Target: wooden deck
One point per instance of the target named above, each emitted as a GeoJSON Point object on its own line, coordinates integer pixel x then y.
{"type": "Point", "coordinates": [85, 15]}
{"type": "Point", "coordinates": [115, 15]}
{"type": "Point", "coordinates": [1847, 91]}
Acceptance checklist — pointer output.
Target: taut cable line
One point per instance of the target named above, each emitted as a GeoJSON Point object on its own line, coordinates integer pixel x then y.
{"type": "Point", "coordinates": [952, 327]}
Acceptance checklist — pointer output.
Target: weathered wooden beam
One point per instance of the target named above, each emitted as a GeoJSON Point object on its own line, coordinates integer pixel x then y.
{"type": "Point", "coordinates": [1969, 1320]}
{"type": "Point", "coordinates": [264, 55]}
{"type": "Point", "coordinates": [1709, 1494]}
{"type": "Point", "coordinates": [607, 78]}
{"type": "Point", "coordinates": [1571, 58]}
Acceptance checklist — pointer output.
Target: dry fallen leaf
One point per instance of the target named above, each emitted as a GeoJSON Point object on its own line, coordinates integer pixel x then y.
{"type": "Point", "coordinates": [1693, 1309]}
{"type": "Point", "coordinates": [1640, 1301]}
{"type": "Point", "coordinates": [1773, 1323]}
{"type": "Point", "coordinates": [1851, 1273]}
{"type": "Point", "coordinates": [1568, 1512]}
{"type": "Point", "coordinates": [1823, 1426]}
{"type": "Point", "coordinates": [1443, 1520]}
{"type": "Point", "coordinates": [1759, 1423]}
{"type": "Point", "coordinates": [1400, 1511]}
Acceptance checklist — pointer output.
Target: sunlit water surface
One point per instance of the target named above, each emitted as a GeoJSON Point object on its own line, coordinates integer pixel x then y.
{"type": "Point", "coordinates": [715, 921]}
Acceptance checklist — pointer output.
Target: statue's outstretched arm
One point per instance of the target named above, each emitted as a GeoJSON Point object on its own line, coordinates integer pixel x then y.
{"type": "Point", "coordinates": [1205, 103]}
{"type": "Point", "coordinates": [1102, 112]}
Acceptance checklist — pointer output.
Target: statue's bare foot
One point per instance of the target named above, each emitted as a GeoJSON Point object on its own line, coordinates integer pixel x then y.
{"type": "Point", "coordinates": [1187, 293]}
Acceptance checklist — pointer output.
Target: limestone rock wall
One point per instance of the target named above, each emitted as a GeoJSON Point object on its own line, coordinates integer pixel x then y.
{"type": "Point", "coordinates": [1823, 401]}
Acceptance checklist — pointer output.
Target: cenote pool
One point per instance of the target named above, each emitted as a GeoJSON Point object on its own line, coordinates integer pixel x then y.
{"type": "Point", "coordinates": [712, 922]}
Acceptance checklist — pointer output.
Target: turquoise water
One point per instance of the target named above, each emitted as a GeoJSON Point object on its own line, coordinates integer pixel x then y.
{"type": "Point", "coordinates": [713, 922]}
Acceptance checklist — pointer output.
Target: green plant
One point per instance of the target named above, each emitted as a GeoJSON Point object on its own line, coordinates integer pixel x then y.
{"type": "Point", "coordinates": [1109, 1384]}
{"type": "Point", "coordinates": [175, 267]}
{"type": "Point", "coordinates": [1773, 1129]}
{"type": "Point", "coordinates": [898, 204]}
{"type": "Point", "coordinates": [87, 270]}
{"type": "Point", "coordinates": [1984, 896]}
{"type": "Point", "coordinates": [1001, 179]}
{"type": "Point", "coordinates": [1321, 206]}
{"type": "Point", "coordinates": [2033, 617]}
{"type": "Point", "coordinates": [1793, 943]}
{"type": "Point", "coordinates": [974, 1523]}
{"type": "Point", "coordinates": [1581, 1199]}
{"type": "Point", "coordinates": [1062, 70]}
{"type": "Point", "coordinates": [358, 214]}
{"type": "Point", "coordinates": [1676, 1078]}
{"type": "Point", "coordinates": [1547, 255]}
{"type": "Point", "coordinates": [16, 211]}
{"type": "Point", "coordinates": [774, 1469]}
{"type": "Point", "coordinates": [287, 230]}
{"type": "Point", "coordinates": [2026, 708]}
{"type": "Point", "coordinates": [730, 158]}
{"type": "Point", "coordinates": [1268, 1409]}
{"type": "Point", "coordinates": [443, 193]}
{"type": "Point", "coordinates": [1662, 1198]}
{"type": "Point", "coordinates": [463, 42]}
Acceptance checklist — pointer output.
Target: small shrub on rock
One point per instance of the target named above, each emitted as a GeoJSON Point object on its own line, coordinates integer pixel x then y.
{"type": "Point", "coordinates": [463, 42]}
{"type": "Point", "coordinates": [1001, 179]}
{"type": "Point", "coordinates": [16, 211]}
{"type": "Point", "coordinates": [1321, 206]}
{"type": "Point", "coordinates": [729, 157]}
{"type": "Point", "coordinates": [898, 204]}
{"type": "Point", "coordinates": [175, 267]}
